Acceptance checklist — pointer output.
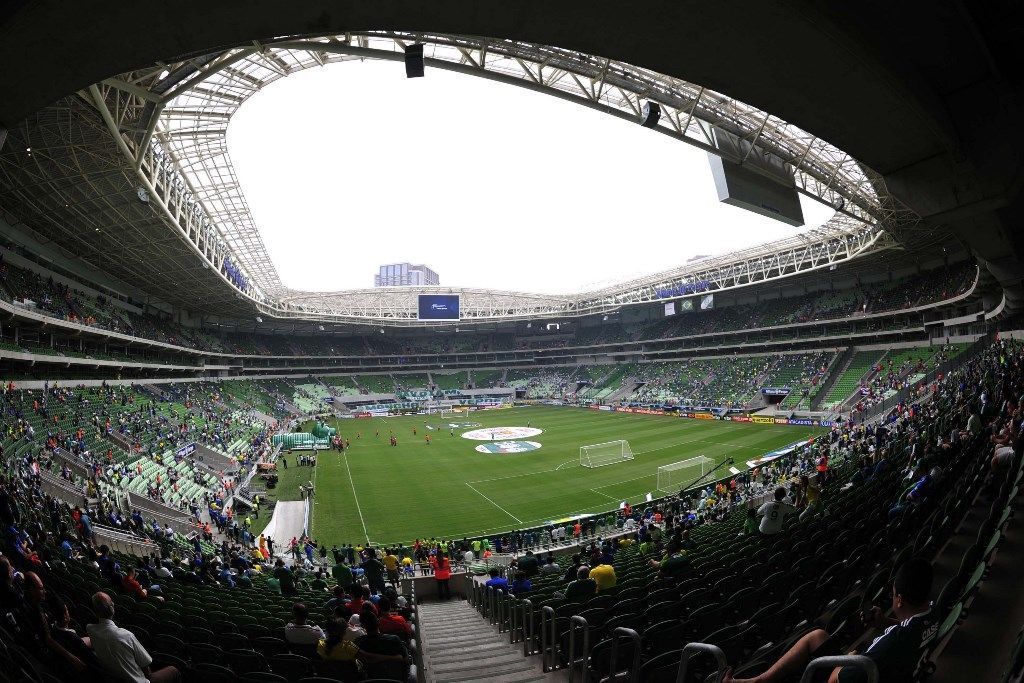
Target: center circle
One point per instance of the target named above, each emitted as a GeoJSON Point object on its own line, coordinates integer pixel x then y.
{"type": "Point", "coordinates": [501, 433]}
{"type": "Point", "coordinates": [507, 447]}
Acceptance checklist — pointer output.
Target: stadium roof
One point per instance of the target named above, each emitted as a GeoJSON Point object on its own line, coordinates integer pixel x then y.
{"type": "Point", "coordinates": [891, 90]}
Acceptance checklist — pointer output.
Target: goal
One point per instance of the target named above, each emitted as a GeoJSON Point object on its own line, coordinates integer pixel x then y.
{"type": "Point", "coordinates": [674, 476]}
{"type": "Point", "coordinates": [609, 453]}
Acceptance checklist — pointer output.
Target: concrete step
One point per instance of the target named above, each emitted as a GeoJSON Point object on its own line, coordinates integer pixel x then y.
{"type": "Point", "coordinates": [497, 659]}
{"type": "Point", "coordinates": [519, 672]}
{"type": "Point", "coordinates": [460, 645]}
{"type": "Point", "coordinates": [499, 652]}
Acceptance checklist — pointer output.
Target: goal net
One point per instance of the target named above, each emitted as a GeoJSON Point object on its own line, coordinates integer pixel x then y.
{"type": "Point", "coordinates": [609, 453]}
{"type": "Point", "coordinates": [674, 476]}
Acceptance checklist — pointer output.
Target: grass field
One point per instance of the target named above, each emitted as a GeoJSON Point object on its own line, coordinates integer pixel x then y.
{"type": "Point", "coordinates": [383, 494]}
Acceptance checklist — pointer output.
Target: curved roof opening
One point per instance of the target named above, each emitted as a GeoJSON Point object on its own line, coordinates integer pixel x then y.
{"type": "Point", "coordinates": [350, 166]}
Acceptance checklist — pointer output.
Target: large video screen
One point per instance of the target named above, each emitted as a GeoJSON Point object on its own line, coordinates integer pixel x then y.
{"type": "Point", "coordinates": [439, 306]}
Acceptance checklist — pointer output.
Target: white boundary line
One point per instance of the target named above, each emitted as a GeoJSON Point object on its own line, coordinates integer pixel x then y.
{"type": "Point", "coordinates": [603, 494]}
{"type": "Point", "coordinates": [518, 521]}
{"type": "Point", "coordinates": [356, 499]}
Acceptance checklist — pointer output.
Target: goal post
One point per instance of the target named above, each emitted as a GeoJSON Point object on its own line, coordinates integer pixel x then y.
{"type": "Point", "coordinates": [674, 476]}
{"type": "Point", "coordinates": [608, 453]}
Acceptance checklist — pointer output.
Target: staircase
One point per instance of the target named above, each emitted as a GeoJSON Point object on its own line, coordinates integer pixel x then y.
{"type": "Point", "coordinates": [835, 371]}
{"type": "Point", "coordinates": [460, 645]}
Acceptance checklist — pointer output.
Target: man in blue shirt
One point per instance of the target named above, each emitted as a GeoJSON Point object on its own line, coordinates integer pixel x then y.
{"type": "Point", "coordinates": [497, 582]}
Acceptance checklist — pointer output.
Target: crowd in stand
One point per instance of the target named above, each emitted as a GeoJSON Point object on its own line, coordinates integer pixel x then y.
{"type": "Point", "coordinates": [74, 633]}
{"type": "Point", "coordinates": [64, 301]}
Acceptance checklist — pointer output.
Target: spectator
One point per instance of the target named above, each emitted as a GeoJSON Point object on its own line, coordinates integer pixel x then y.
{"type": "Point", "coordinates": [895, 652]}
{"type": "Point", "coordinates": [374, 570]}
{"type": "Point", "coordinates": [550, 566]}
{"type": "Point", "coordinates": [342, 573]}
{"type": "Point", "coordinates": [334, 647]}
{"type": "Point", "coordinates": [362, 598]}
{"type": "Point", "coordinates": [394, 624]}
{"type": "Point", "coordinates": [582, 589]}
{"type": "Point", "coordinates": [521, 584]}
{"type": "Point", "coordinates": [132, 585]}
{"type": "Point", "coordinates": [393, 662]}
{"type": "Point", "coordinates": [675, 563]}
{"type": "Point", "coordinates": [442, 574]}
{"type": "Point", "coordinates": [74, 644]}
{"type": "Point", "coordinates": [604, 576]}
{"type": "Point", "coordinates": [391, 564]}
{"type": "Point", "coordinates": [773, 515]}
{"type": "Point", "coordinates": [285, 577]}
{"type": "Point", "coordinates": [528, 564]}
{"type": "Point", "coordinates": [118, 650]}
{"type": "Point", "coordinates": [497, 582]}
{"type": "Point", "coordinates": [298, 632]}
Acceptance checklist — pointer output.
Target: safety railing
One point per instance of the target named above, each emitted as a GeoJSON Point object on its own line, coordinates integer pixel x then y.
{"type": "Point", "coordinates": [613, 658]}
{"type": "Point", "coordinates": [578, 660]}
{"type": "Point", "coordinates": [691, 649]}
{"type": "Point", "coordinates": [500, 603]}
{"type": "Point", "coordinates": [529, 621]}
{"type": "Point", "coordinates": [547, 636]}
{"type": "Point", "coordinates": [859, 661]}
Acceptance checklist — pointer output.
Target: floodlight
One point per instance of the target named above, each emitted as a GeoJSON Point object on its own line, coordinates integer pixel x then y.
{"type": "Point", "coordinates": [414, 61]}
{"type": "Point", "coordinates": [649, 114]}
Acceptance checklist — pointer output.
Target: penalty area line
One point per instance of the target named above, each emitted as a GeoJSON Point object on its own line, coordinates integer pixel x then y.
{"type": "Point", "coordinates": [518, 521]}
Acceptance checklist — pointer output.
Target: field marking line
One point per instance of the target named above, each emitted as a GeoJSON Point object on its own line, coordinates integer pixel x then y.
{"type": "Point", "coordinates": [567, 462]}
{"type": "Point", "coordinates": [518, 521]}
{"type": "Point", "coordinates": [355, 497]}
{"type": "Point", "coordinates": [603, 494]}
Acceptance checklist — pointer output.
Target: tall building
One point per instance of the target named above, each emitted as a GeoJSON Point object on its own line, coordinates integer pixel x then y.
{"type": "Point", "coordinates": [405, 275]}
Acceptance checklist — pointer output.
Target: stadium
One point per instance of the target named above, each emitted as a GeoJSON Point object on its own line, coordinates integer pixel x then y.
{"type": "Point", "coordinates": [795, 456]}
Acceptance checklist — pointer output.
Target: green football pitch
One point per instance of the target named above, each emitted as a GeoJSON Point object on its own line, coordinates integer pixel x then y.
{"type": "Point", "coordinates": [384, 494]}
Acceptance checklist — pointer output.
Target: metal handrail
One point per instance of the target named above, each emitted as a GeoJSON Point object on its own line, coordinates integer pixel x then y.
{"type": "Point", "coordinates": [859, 661]}
{"type": "Point", "coordinates": [575, 620]}
{"type": "Point", "coordinates": [501, 600]}
{"type": "Point", "coordinates": [634, 669]}
{"type": "Point", "coordinates": [528, 622]}
{"type": "Point", "coordinates": [513, 620]}
{"type": "Point", "coordinates": [693, 648]}
{"type": "Point", "coordinates": [547, 614]}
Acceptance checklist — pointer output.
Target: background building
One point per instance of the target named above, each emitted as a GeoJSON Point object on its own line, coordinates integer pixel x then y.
{"type": "Point", "coordinates": [405, 275]}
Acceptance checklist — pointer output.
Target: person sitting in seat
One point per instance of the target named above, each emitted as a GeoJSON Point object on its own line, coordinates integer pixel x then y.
{"type": "Point", "coordinates": [298, 632]}
{"type": "Point", "coordinates": [131, 584]}
{"type": "Point", "coordinates": [394, 624]}
{"type": "Point", "coordinates": [119, 651]}
{"type": "Point", "coordinates": [604, 576]}
{"type": "Point", "coordinates": [496, 581]}
{"type": "Point", "coordinates": [582, 589]}
{"type": "Point", "coordinates": [521, 585]}
{"type": "Point", "coordinates": [392, 661]}
{"type": "Point", "coordinates": [895, 652]}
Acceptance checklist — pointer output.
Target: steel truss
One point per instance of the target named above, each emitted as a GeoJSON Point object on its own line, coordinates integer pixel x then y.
{"type": "Point", "coordinates": [171, 120]}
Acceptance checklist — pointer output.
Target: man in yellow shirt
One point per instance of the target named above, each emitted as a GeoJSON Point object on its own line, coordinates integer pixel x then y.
{"type": "Point", "coordinates": [391, 564]}
{"type": "Point", "coordinates": [604, 576]}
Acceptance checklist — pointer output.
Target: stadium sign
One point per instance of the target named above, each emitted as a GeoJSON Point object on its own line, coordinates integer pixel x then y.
{"type": "Point", "coordinates": [507, 447]}
{"type": "Point", "coordinates": [775, 391]}
{"type": "Point", "coordinates": [186, 450]}
{"type": "Point", "coordinates": [640, 411]}
{"type": "Point", "coordinates": [762, 420]}
{"type": "Point", "coordinates": [502, 433]}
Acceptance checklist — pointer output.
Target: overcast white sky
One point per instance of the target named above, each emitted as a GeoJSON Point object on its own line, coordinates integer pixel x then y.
{"type": "Point", "coordinates": [353, 165]}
